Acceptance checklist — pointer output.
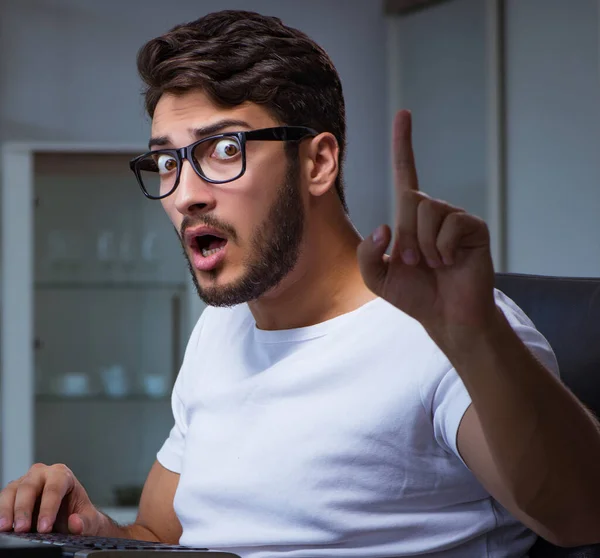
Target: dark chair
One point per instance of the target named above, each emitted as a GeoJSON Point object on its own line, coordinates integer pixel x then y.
{"type": "Point", "coordinates": [567, 312]}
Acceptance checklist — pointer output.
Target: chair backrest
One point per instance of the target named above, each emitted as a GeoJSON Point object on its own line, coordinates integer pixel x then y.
{"type": "Point", "coordinates": [567, 312]}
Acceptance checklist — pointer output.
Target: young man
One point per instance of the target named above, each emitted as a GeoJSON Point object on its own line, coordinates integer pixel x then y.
{"type": "Point", "coordinates": [333, 401]}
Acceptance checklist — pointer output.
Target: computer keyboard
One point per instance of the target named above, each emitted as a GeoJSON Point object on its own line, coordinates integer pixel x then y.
{"type": "Point", "coordinates": [74, 546]}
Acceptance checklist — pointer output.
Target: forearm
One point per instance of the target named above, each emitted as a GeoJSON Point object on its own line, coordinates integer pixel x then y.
{"type": "Point", "coordinates": [544, 443]}
{"type": "Point", "coordinates": [134, 531]}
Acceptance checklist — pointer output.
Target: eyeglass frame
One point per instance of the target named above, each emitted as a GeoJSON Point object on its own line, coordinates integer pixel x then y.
{"type": "Point", "coordinates": [278, 133]}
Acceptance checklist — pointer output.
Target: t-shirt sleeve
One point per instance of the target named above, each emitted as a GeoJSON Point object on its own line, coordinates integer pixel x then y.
{"type": "Point", "coordinates": [444, 394]}
{"type": "Point", "coordinates": [170, 455]}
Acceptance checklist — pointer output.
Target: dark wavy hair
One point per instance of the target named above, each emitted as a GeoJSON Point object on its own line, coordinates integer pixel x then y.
{"type": "Point", "coordinates": [238, 56]}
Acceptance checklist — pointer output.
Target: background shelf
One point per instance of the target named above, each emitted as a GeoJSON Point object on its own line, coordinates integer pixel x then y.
{"type": "Point", "coordinates": [97, 301]}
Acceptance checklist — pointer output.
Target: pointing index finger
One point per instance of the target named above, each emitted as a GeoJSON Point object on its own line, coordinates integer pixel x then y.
{"type": "Point", "coordinates": [405, 171]}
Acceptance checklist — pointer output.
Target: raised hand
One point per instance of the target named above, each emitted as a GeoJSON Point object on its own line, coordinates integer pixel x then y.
{"type": "Point", "coordinates": [49, 498]}
{"type": "Point", "coordinates": [440, 269]}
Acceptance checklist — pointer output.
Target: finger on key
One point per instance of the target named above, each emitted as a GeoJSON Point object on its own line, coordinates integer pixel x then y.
{"type": "Point", "coordinates": [7, 506]}
{"type": "Point", "coordinates": [56, 488]}
{"type": "Point", "coordinates": [28, 492]}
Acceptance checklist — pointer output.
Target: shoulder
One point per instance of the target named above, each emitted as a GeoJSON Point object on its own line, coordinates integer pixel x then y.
{"type": "Point", "coordinates": [215, 327]}
{"type": "Point", "coordinates": [527, 331]}
{"type": "Point", "coordinates": [381, 312]}
{"type": "Point", "coordinates": [219, 324]}
{"type": "Point", "coordinates": [402, 343]}
{"type": "Point", "coordinates": [514, 314]}
{"type": "Point", "coordinates": [440, 380]}
{"type": "Point", "coordinates": [388, 335]}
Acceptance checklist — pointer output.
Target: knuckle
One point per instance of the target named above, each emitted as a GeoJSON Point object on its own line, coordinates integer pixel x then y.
{"type": "Point", "coordinates": [463, 221]}
{"type": "Point", "coordinates": [35, 470]}
{"type": "Point", "coordinates": [428, 208]}
{"type": "Point", "coordinates": [433, 207]}
{"type": "Point", "coordinates": [62, 469]}
{"type": "Point", "coordinates": [456, 219]}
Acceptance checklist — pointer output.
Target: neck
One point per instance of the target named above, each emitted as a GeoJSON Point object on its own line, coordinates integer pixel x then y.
{"type": "Point", "coordinates": [325, 283]}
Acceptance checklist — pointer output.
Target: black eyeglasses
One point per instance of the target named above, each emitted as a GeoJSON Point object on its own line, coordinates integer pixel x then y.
{"type": "Point", "coordinates": [216, 159]}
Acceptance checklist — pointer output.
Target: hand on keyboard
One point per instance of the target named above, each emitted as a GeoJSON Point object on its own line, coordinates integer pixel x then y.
{"type": "Point", "coordinates": [49, 498]}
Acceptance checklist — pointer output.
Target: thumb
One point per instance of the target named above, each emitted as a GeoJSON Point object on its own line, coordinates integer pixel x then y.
{"type": "Point", "coordinates": [80, 524]}
{"type": "Point", "coordinates": [373, 265]}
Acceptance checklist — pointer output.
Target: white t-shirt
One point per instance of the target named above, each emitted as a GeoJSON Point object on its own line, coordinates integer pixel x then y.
{"type": "Point", "coordinates": [334, 440]}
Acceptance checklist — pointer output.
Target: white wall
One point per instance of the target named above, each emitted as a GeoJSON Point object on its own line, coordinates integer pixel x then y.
{"type": "Point", "coordinates": [68, 73]}
{"type": "Point", "coordinates": [553, 125]}
{"type": "Point", "coordinates": [552, 122]}
{"type": "Point", "coordinates": [442, 81]}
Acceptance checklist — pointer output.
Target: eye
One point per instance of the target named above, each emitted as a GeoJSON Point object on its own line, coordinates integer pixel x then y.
{"type": "Point", "coordinates": [226, 148]}
{"type": "Point", "coordinates": [166, 163]}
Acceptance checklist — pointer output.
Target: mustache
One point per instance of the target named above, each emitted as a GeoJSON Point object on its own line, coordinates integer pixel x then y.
{"type": "Point", "coordinates": [207, 221]}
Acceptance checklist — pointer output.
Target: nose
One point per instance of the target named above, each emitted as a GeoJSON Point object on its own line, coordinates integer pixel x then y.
{"type": "Point", "coordinates": [193, 195]}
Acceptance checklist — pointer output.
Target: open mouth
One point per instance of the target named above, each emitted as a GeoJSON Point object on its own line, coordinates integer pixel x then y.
{"type": "Point", "coordinates": [209, 244]}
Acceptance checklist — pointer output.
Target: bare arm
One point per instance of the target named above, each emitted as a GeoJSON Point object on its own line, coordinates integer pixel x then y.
{"type": "Point", "coordinates": [62, 505]}
{"type": "Point", "coordinates": [528, 440]}
{"type": "Point", "coordinates": [156, 520]}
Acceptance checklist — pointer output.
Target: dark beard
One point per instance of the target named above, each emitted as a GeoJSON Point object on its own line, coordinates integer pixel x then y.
{"type": "Point", "coordinates": [275, 248]}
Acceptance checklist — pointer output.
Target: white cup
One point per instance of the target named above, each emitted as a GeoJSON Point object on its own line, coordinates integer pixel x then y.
{"type": "Point", "coordinates": [155, 385]}
{"type": "Point", "coordinates": [73, 385]}
{"type": "Point", "coordinates": [114, 381]}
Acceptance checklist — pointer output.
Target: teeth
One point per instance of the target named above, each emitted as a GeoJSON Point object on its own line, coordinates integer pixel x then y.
{"type": "Point", "coordinates": [207, 253]}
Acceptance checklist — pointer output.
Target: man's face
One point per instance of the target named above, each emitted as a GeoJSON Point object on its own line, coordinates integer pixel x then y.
{"type": "Point", "coordinates": [240, 238]}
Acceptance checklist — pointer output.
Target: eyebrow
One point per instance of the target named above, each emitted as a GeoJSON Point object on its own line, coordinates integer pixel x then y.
{"type": "Point", "coordinates": [199, 133]}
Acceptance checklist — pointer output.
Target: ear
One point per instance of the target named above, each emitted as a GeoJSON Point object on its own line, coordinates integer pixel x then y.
{"type": "Point", "coordinates": [321, 162]}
